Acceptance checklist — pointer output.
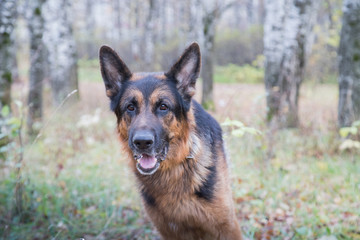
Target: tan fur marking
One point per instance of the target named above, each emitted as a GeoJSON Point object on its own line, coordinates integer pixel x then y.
{"type": "Point", "coordinates": [160, 93]}
{"type": "Point", "coordinates": [134, 93]}
{"type": "Point", "coordinates": [136, 76]}
{"type": "Point", "coordinates": [140, 75]}
{"type": "Point", "coordinates": [160, 76]}
{"type": "Point", "coordinates": [109, 92]}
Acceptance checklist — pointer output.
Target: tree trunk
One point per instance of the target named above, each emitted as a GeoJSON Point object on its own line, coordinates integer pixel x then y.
{"type": "Point", "coordinates": [7, 22]}
{"type": "Point", "coordinates": [90, 23]}
{"type": "Point", "coordinates": [164, 21]}
{"type": "Point", "coordinates": [237, 15]}
{"type": "Point", "coordinates": [250, 11]}
{"type": "Point", "coordinates": [149, 35]}
{"type": "Point", "coordinates": [183, 21]}
{"type": "Point", "coordinates": [287, 43]}
{"type": "Point", "coordinates": [211, 14]}
{"type": "Point", "coordinates": [261, 12]}
{"type": "Point", "coordinates": [62, 51]}
{"type": "Point", "coordinates": [15, 45]}
{"type": "Point", "coordinates": [207, 71]}
{"type": "Point", "coordinates": [195, 22]}
{"type": "Point", "coordinates": [135, 43]}
{"type": "Point", "coordinates": [37, 65]}
{"type": "Point", "coordinates": [349, 64]}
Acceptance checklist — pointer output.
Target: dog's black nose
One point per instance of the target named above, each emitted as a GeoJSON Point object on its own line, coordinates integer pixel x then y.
{"type": "Point", "coordinates": [143, 140]}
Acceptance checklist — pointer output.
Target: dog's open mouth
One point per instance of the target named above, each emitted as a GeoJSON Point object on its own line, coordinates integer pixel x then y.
{"type": "Point", "coordinates": [148, 164]}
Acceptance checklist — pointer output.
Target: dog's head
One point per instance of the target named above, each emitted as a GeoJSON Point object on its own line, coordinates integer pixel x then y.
{"type": "Point", "coordinates": [152, 109]}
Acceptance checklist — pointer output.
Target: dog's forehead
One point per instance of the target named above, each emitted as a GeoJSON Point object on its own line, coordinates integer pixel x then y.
{"type": "Point", "coordinates": [146, 75]}
{"type": "Point", "coordinates": [151, 85]}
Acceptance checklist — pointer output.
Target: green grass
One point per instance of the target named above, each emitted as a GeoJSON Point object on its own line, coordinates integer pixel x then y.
{"type": "Point", "coordinates": [77, 183]}
{"type": "Point", "coordinates": [305, 192]}
{"type": "Point", "coordinates": [238, 74]}
{"type": "Point", "coordinates": [89, 70]}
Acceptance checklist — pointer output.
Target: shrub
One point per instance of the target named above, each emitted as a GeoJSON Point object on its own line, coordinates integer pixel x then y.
{"type": "Point", "coordinates": [238, 47]}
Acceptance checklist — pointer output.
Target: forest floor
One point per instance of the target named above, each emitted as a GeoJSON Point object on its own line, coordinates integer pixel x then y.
{"type": "Point", "coordinates": [77, 183]}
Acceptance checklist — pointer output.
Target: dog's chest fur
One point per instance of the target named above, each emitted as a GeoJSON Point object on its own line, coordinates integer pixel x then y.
{"type": "Point", "coordinates": [190, 200]}
{"type": "Point", "coordinates": [176, 207]}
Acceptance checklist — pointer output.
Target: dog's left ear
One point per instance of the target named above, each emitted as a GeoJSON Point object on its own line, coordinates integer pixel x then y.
{"type": "Point", "coordinates": [186, 70]}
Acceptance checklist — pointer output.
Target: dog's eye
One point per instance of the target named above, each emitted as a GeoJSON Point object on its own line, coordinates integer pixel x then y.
{"type": "Point", "coordinates": [163, 107]}
{"type": "Point", "coordinates": [130, 108]}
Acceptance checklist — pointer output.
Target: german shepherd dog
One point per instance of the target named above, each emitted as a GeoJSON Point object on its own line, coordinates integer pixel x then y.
{"type": "Point", "coordinates": [175, 148]}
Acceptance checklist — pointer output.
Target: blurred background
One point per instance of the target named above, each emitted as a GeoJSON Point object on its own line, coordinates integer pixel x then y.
{"type": "Point", "coordinates": [281, 76]}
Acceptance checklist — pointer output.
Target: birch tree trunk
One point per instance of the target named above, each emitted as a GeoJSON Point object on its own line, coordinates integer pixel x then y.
{"type": "Point", "coordinates": [250, 11]}
{"type": "Point", "coordinates": [207, 72]}
{"type": "Point", "coordinates": [287, 43]}
{"type": "Point", "coordinates": [37, 65]}
{"type": "Point", "coordinates": [149, 34]}
{"type": "Point", "coordinates": [62, 51]}
{"type": "Point", "coordinates": [237, 15]}
{"type": "Point", "coordinates": [7, 22]}
{"type": "Point", "coordinates": [349, 64]}
{"type": "Point", "coordinates": [90, 24]}
{"type": "Point", "coordinates": [135, 43]}
{"type": "Point", "coordinates": [212, 11]}
{"type": "Point", "coordinates": [183, 23]}
{"type": "Point", "coordinates": [118, 14]}
{"type": "Point", "coordinates": [164, 21]}
{"type": "Point", "coordinates": [195, 19]}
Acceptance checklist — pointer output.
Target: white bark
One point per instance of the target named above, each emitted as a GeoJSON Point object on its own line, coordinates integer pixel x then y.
{"type": "Point", "coordinates": [196, 24]}
{"type": "Point", "coordinates": [207, 72]}
{"type": "Point", "coordinates": [287, 43]}
{"type": "Point", "coordinates": [212, 11]}
{"type": "Point", "coordinates": [349, 64]}
{"type": "Point", "coordinates": [62, 50]}
{"type": "Point", "coordinates": [90, 26]}
{"type": "Point", "coordinates": [182, 8]}
{"type": "Point", "coordinates": [38, 63]}
{"type": "Point", "coordinates": [250, 11]}
{"type": "Point", "coordinates": [164, 21]}
{"type": "Point", "coordinates": [149, 34]}
{"type": "Point", "coordinates": [7, 22]}
{"type": "Point", "coordinates": [136, 39]}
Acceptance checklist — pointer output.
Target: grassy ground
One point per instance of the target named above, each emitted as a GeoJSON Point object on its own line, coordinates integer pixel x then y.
{"type": "Point", "coordinates": [77, 183]}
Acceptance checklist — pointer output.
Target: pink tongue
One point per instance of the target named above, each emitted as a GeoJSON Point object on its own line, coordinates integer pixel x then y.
{"type": "Point", "coordinates": [147, 161]}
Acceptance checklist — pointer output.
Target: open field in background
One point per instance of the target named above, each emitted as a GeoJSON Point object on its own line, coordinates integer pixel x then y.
{"type": "Point", "coordinates": [78, 185]}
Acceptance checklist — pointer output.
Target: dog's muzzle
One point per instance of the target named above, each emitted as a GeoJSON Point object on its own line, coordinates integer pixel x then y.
{"type": "Point", "coordinates": [148, 160]}
{"type": "Point", "coordinates": [149, 164]}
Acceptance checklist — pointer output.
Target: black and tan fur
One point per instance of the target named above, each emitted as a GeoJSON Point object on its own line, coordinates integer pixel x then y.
{"type": "Point", "coordinates": [189, 195]}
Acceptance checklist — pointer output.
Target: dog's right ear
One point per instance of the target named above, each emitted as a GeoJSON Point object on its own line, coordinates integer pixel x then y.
{"type": "Point", "coordinates": [113, 70]}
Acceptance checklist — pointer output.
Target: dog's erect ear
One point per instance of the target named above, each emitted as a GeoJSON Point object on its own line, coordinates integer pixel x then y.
{"type": "Point", "coordinates": [186, 70]}
{"type": "Point", "coordinates": [113, 70]}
